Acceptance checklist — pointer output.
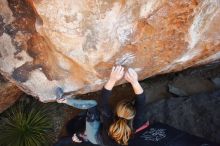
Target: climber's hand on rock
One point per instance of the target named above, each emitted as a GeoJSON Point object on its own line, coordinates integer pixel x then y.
{"type": "Point", "coordinates": [61, 100]}
{"type": "Point", "coordinates": [116, 74]}
{"type": "Point", "coordinates": [131, 76]}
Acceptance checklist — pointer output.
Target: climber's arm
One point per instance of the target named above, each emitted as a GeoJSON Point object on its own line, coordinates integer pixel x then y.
{"type": "Point", "coordinates": [132, 77]}
{"type": "Point", "coordinates": [116, 74]}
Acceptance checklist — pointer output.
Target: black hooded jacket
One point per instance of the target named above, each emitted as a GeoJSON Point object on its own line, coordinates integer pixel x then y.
{"type": "Point", "coordinates": [107, 116]}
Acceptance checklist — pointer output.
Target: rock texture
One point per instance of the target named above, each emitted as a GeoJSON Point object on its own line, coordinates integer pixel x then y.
{"type": "Point", "coordinates": [73, 44]}
{"type": "Point", "coordinates": [186, 86]}
{"type": "Point", "coordinates": [9, 94]}
{"type": "Point", "coordinates": [198, 115]}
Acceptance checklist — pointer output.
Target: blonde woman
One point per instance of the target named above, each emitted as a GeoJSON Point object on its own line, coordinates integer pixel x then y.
{"type": "Point", "coordinates": [118, 127]}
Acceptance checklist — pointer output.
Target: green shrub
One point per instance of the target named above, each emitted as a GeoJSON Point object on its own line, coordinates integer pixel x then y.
{"type": "Point", "coordinates": [26, 124]}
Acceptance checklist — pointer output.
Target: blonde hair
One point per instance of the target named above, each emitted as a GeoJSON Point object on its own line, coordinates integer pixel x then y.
{"type": "Point", "coordinates": [121, 130]}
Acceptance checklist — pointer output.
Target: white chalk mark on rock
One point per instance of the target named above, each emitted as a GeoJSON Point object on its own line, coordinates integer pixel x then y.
{"type": "Point", "coordinates": [126, 59]}
{"type": "Point", "coordinates": [150, 6]}
{"type": "Point", "coordinates": [138, 69]}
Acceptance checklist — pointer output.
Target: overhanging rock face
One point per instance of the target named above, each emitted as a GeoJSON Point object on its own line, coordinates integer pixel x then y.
{"type": "Point", "coordinates": [9, 94]}
{"type": "Point", "coordinates": [72, 44]}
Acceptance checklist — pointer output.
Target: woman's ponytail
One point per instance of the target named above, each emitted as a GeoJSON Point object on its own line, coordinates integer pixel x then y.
{"type": "Point", "coordinates": [121, 130]}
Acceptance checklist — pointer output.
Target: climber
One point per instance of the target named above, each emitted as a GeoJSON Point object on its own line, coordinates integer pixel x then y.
{"type": "Point", "coordinates": [105, 128]}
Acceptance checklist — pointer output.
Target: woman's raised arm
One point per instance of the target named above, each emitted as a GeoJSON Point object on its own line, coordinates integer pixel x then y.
{"type": "Point", "coordinates": [132, 77]}
{"type": "Point", "coordinates": [116, 74]}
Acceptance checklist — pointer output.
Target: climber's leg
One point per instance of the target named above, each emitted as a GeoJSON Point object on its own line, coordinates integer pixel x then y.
{"type": "Point", "coordinates": [77, 103]}
{"type": "Point", "coordinates": [92, 124]}
{"type": "Point", "coordinates": [80, 104]}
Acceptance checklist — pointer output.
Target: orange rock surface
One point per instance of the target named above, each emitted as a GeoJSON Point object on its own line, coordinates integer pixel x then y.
{"type": "Point", "coordinates": [9, 94]}
{"type": "Point", "coordinates": [73, 44]}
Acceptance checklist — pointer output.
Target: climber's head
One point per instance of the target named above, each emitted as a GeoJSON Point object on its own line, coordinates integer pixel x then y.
{"type": "Point", "coordinates": [121, 130]}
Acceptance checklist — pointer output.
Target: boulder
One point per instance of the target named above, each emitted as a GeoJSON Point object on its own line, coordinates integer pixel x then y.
{"type": "Point", "coordinates": [156, 90]}
{"type": "Point", "coordinates": [190, 85]}
{"type": "Point", "coordinates": [72, 44]}
{"type": "Point", "coordinates": [216, 81]}
{"type": "Point", "coordinates": [198, 114]}
{"type": "Point", "coordinates": [9, 94]}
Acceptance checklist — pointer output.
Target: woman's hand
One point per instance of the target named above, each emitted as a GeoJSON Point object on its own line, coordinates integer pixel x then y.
{"type": "Point", "coordinates": [76, 139]}
{"type": "Point", "coordinates": [132, 77]}
{"type": "Point", "coordinates": [61, 100]}
{"type": "Point", "coordinates": [116, 74]}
